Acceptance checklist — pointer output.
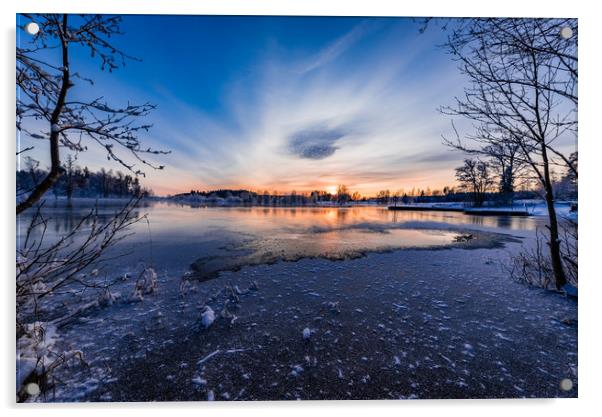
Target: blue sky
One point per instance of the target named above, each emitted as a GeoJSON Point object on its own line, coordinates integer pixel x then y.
{"type": "Point", "coordinates": [283, 103]}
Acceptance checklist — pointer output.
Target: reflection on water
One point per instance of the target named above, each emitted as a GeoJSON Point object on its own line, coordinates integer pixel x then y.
{"type": "Point", "coordinates": [263, 219]}
{"type": "Point", "coordinates": [182, 235]}
{"type": "Point", "coordinates": [172, 219]}
{"type": "Point", "coordinates": [56, 222]}
{"type": "Point", "coordinates": [458, 218]}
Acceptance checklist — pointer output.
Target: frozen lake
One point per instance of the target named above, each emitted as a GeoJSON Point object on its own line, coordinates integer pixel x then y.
{"type": "Point", "coordinates": [177, 236]}
{"type": "Point", "coordinates": [318, 303]}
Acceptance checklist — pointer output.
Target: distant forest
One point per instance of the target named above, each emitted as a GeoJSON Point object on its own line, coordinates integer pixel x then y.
{"type": "Point", "coordinates": [80, 182]}
{"type": "Point", "coordinates": [492, 190]}
{"type": "Point", "coordinates": [384, 197]}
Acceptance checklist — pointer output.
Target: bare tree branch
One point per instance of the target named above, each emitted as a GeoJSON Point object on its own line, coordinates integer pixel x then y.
{"type": "Point", "coordinates": [522, 97]}
{"type": "Point", "coordinates": [44, 88]}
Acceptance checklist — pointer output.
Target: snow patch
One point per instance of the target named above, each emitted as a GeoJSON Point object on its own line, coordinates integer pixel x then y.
{"type": "Point", "coordinates": [207, 317]}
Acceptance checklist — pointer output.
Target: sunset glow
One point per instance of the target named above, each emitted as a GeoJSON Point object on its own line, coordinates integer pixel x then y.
{"type": "Point", "coordinates": [332, 189]}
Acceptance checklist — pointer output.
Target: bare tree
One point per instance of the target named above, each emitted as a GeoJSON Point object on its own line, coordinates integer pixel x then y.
{"type": "Point", "coordinates": [69, 173]}
{"type": "Point", "coordinates": [383, 196]}
{"type": "Point", "coordinates": [35, 174]}
{"type": "Point", "coordinates": [51, 278]}
{"type": "Point", "coordinates": [343, 195]}
{"type": "Point", "coordinates": [522, 92]}
{"type": "Point", "coordinates": [474, 176]}
{"type": "Point", "coordinates": [44, 269]}
{"type": "Point", "coordinates": [507, 164]}
{"type": "Point", "coordinates": [44, 83]}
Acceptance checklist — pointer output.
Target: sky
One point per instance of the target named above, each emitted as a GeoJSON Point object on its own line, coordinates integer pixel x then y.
{"type": "Point", "coordinates": [281, 103]}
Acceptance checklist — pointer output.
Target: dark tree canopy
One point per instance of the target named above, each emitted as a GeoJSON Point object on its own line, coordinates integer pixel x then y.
{"type": "Point", "coordinates": [475, 177]}
{"type": "Point", "coordinates": [82, 182]}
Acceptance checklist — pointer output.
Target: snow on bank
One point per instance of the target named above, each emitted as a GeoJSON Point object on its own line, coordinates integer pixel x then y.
{"type": "Point", "coordinates": [532, 207]}
{"type": "Point", "coordinates": [34, 350]}
{"type": "Point", "coordinates": [37, 356]}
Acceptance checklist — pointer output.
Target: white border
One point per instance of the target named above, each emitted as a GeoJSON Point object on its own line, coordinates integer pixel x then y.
{"type": "Point", "coordinates": [590, 22]}
{"type": "Point", "coordinates": [516, 8]}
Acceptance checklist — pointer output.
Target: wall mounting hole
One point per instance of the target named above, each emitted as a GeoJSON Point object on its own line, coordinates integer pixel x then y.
{"type": "Point", "coordinates": [566, 384]}
{"type": "Point", "coordinates": [32, 28]}
{"type": "Point", "coordinates": [566, 32]}
{"type": "Point", "coordinates": [32, 388]}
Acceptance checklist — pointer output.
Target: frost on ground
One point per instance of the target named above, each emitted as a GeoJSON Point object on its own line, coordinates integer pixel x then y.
{"type": "Point", "coordinates": [404, 324]}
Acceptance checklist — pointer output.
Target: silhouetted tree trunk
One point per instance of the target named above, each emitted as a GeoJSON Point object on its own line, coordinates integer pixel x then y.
{"type": "Point", "coordinates": [554, 242]}
{"type": "Point", "coordinates": [55, 160]}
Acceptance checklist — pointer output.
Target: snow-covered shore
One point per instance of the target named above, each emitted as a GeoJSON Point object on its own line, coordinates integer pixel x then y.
{"type": "Point", "coordinates": [426, 324]}
{"type": "Point", "coordinates": [530, 207]}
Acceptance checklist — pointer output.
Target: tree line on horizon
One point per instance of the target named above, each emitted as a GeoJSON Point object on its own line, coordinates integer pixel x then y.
{"type": "Point", "coordinates": [460, 194]}
{"type": "Point", "coordinates": [497, 180]}
{"type": "Point", "coordinates": [80, 182]}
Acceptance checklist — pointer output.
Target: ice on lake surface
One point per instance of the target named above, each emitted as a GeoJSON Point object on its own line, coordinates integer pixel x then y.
{"type": "Point", "coordinates": [181, 234]}
{"type": "Point", "coordinates": [377, 304]}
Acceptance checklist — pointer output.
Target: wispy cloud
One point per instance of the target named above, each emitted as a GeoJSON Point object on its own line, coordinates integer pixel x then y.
{"type": "Point", "coordinates": [336, 48]}
{"type": "Point", "coordinates": [372, 126]}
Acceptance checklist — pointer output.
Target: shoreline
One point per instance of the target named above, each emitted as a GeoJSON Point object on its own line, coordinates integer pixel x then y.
{"type": "Point", "coordinates": [522, 208]}
{"type": "Point", "coordinates": [485, 211]}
